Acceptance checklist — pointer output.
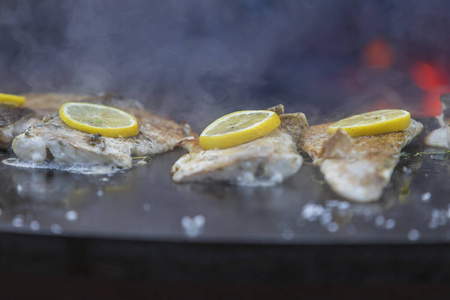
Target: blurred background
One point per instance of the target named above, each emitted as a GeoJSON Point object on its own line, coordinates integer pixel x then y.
{"type": "Point", "coordinates": [199, 59]}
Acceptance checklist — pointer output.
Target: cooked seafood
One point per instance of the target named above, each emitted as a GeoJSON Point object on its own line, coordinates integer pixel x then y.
{"type": "Point", "coordinates": [264, 161]}
{"type": "Point", "coordinates": [441, 137]}
{"type": "Point", "coordinates": [13, 121]}
{"type": "Point", "coordinates": [357, 168]}
{"type": "Point", "coordinates": [51, 140]}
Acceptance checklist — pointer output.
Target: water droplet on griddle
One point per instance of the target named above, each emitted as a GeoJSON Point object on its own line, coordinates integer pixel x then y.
{"type": "Point", "coordinates": [333, 227]}
{"type": "Point", "coordinates": [100, 193]}
{"type": "Point", "coordinates": [56, 229]}
{"type": "Point", "coordinates": [390, 224]}
{"type": "Point", "coordinates": [71, 215]}
{"type": "Point", "coordinates": [17, 221]}
{"type": "Point", "coordinates": [413, 235]}
{"type": "Point", "coordinates": [146, 206]}
{"type": "Point", "coordinates": [351, 229]}
{"type": "Point", "coordinates": [312, 211]}
{"type": "Point", "coordinates": [426, 197]}
{"type": "Point", "coordinates": [287, 234]}
{"type": "Point", "coordinates": [19, 189]}
{"type": "Point", "coordinates": [193, 226]}
{"type": "Point", "coordinates": [379, 220]}
{"type": "Point", "coordinates": [34, 225]}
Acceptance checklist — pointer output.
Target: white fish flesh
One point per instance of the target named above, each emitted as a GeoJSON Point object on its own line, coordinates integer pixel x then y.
{"type": "Point", "coordinates": [358, 168]}
{"type": "Point", "coordinates": [261, 162]}
{"type": "Point", "coordinates": [52, 141]}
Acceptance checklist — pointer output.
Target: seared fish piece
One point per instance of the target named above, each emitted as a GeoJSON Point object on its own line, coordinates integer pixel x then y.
{"type": "Point", "coordinates": [441, 137]}
{"type": "Point", "coordinates": [358, 168]}
{"type": "Point", "coordinates": [51, 140]}
{"type": "Point", "coordinates": [264, 161]}
{"type": "Point", "coordinates": [13, 121]}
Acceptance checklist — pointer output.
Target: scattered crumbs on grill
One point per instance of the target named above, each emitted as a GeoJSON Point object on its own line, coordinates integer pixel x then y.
{"type": "Point", "coordinates": [34, 225]}
{"type": "Point", "coordinates": [404, 191]}
{"type": "Point", "coordinates": [434, 154]}
{"type": "Point", "coordinates": [413, 235]}
{"type": "Point", "coordinates": [142, 160]}
{"type": "Point", "coordinates": [426, 197]}
{"type": "Point", "coordinates": [317, 180]}
{"type": "Point", "coordinates": [56, 229]}
{"type": "Point", "coordinates": [193, 226]}
{"type": "Point", "coordinates": [71, 215]}
{"type": "Point", "coordinates": [405, 155]}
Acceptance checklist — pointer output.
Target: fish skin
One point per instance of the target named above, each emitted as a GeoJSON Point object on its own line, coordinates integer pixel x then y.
{"type": "Point", "coordinates": [358, 168]}
{"type": "Point", "coordinates": [261, 162]}
{"type": "Point", "coordinates": [52, 140]}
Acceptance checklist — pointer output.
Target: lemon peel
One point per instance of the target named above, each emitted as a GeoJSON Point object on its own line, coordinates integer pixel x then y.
{"type": "Point", "coordinates": [99, 119]}
{"type": "Point", "coordinates": [373, 123]}
{"type": "Point", "coordinates": [238, 128]}
{"type": "Point", "coordinates": [14, 100]}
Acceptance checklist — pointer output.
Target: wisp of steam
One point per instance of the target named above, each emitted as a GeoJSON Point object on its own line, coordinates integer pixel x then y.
{"type": "Point", "coordinates": [200, 59]}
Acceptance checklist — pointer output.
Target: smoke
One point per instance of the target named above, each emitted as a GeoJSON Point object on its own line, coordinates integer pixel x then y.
{"type": "Point", "coordinates": [199, 59]}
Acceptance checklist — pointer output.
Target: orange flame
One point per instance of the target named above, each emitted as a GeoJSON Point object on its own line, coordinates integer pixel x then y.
{"type": "Point", "coordinates": [378, 54]}
{"type": "Point", "coordinates": [428, 77]}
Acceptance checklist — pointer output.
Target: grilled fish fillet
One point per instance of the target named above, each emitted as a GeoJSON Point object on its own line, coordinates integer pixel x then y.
{"type": "Point", "coordinates": [13, 121]}
{"type": "Point", "coordinates": [51, 140]}
{"type": "Point", "coordinates": [264, 161]}
{"type": "Point", "coordinates": [441, 137]}
{"type": "Point", "coordinates": [358, 168]}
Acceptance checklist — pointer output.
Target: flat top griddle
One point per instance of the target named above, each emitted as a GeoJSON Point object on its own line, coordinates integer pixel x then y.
{"type": "Point", "coordinates": [143, 204]}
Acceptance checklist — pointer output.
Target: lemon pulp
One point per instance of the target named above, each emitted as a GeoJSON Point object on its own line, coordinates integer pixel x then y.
{"type": "Point", "coordinates": [373, 123]}
{"type": "Point", "coordinates": [12, 99]}
{"type": "Point", "coordinates": [99, 119]}
{"type": "Point", "coordinates": [238, 128]}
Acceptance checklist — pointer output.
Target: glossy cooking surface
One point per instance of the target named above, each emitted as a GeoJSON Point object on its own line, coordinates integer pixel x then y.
{"type": "Point", "coordinates": [144, 204]}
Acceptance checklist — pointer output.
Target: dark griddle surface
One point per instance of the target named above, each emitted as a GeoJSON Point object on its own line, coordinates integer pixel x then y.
{"type": "Point", "coordinates": [143, 204]}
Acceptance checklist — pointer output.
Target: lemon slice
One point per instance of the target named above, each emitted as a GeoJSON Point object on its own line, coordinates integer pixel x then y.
{"type": "Point", "coordinates": [238, 128]}
{"type": "Point", "coordinates": [99, 119]}
{"type": "Point", "coordinates": [12, 100]}
{"type": "Point", "coordinates": [373, 123]}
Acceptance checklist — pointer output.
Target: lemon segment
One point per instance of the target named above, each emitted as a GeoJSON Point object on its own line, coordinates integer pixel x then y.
{"type": "Point", "coordinates": [12, 100]}
{"type": "Point", "coordinates": [373, 123]}
{"type": "Point", "coordinates": [238, 128]}
{"type": "Point", "coordinates": [99, 119]}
